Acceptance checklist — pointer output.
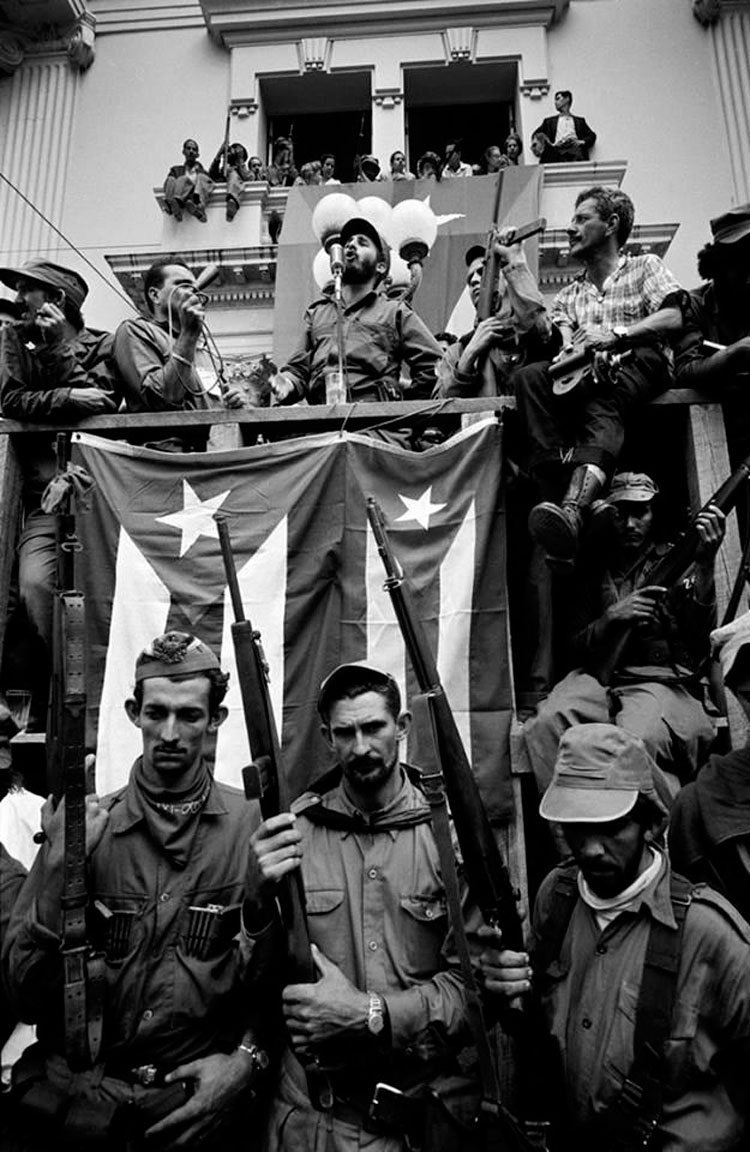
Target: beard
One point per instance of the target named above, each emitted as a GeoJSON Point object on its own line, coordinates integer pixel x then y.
{"type": "Point", "coordinates": [358, 272]}
{"type": "Point", "coordinates": [367, 774]}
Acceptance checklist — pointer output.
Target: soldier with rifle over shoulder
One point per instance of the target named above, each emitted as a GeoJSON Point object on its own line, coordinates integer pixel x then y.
{"type": "Point", "coordinates": [389, 1003]}
{"type": "Point", "coordinates": [636, 639]}
{"type": "Point", "coordinates": [164, 1035]}
{"type": "Point", "coordinates": [643, 980]}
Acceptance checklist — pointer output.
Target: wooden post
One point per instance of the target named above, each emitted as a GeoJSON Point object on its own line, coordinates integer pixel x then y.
{"type": "Point", "coordinates": [10, 507]}
{"type": "Point", "coordinates": [707, 460]}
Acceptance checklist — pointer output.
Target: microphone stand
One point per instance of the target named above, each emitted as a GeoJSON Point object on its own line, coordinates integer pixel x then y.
{"type": "Point", "coordinates": [335, 252]}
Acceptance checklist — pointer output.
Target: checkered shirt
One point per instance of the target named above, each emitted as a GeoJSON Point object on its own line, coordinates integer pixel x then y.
{"type": "Point", "coordinates": [635, 289]}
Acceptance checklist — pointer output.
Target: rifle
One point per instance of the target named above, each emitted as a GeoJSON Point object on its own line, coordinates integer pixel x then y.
{"type": "Point", "coordinates": [673, 565]}
{"type": "Point", "coordinates": [486, 873]}
{"type": "Point", "coordinates": [265, 779]}
{"type": "Point", "coordinates": [66, 762]}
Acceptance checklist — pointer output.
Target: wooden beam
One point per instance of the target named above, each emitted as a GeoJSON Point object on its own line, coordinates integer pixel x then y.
{"type": "Point", "coordinates": [707, 468]}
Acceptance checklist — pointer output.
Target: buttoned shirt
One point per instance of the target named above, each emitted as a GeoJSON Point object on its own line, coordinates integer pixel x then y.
{"type": "Point", "coordinates": [635, 289]}
{"type": "Point", "coordinates": [377, 907]}
{"type": "Point", "coordinates": [590, 995]}
{"type": "Point", "coordinates": [378, 334]}
{"type": "Point", "coordinates": [177, 983]}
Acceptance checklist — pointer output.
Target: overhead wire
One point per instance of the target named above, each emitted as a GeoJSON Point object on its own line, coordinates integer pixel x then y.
{"type": "Point", "coordinates": [67, 241]}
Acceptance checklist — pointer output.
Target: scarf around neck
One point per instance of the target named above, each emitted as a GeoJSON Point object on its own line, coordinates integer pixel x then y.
{"type": "Point", "coordinates": [172, 815]}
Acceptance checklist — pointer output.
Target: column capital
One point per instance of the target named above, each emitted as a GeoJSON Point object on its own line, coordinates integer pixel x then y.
{"type": "Point", "coordinates": [28, 40]}
{"type": "Point", "coordinates": [708, 12]}
{"type": "Point", "coordinates": [387, 97]}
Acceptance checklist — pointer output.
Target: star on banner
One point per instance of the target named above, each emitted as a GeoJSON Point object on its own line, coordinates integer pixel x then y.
{"type": "Point", "coordinates": [420, 509]}
{"type": "Point", "coordinates": [196, 518]}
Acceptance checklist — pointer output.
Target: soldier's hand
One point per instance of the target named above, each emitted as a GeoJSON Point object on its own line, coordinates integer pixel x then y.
{"type": "Point", "coordinates": [275, 850]}
{"type": "Point", "coordinates": [216, 1081]}
{"type": "Point", "coordinates": [505, 972]}
{"type": "Point", "coordinates": [710, 526]}
{"type": "Point", "coordinates": [50, 320]}
{"type": "Point", "coordinates": [53, 821]}
{"type": "Point", "coordinates": [486, 333]}
{"type": "Point", "coordinates": [318, 1012]}
{"type": "Point", "coordinates": [641, 607]}
{"type": "Point", "coordinates": [505, 250]}
{"type": "Point", "coordinates": [232, 398]}
{"type": "Point", "coordinates": [282, 387]}
{"type": "Point", "coordinates": [191, 311]}
{"type": "Point", "coordinates": [92, 400]}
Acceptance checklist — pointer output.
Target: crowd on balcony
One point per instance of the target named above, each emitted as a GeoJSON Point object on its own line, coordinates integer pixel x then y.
{"type": "Point", "coordinates": [620, 733]}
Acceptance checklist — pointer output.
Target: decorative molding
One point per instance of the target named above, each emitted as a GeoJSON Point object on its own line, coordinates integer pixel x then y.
{"type": "Point", "coordinates": [147, 15]}
{"type": "Point", "coordinates": [314, 55]}
{"type": "Point", "coordinates": [387, 97]}
{"type": "Point", "coordinates": [534, 89]}
{"type": "Point", "coordinates": [460, 44]}
{"type": "Point", "coordinates": [244, 108]}
{"type": "Point", "coordinates": [81, 42]}
{"type": "Point", "coordinates": [283, 21]}
{"type": "Point", "coordinates": [706, 11]}
{"type": "Point", "coordinates": [585, 173]}
{"type": "Point", "coordinates": [12, 52]}
{"type": "Point", "coordinates": [245, 274]}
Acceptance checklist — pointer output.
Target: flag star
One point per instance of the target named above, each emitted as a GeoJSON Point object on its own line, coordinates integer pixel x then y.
{"type": "Point", "coordinates": [420, 509]}
{"type": "Point", "coordinates": [196, 518]}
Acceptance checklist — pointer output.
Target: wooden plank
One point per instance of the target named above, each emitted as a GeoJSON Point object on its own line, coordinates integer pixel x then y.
{"type": "Point", "coordinates": [10, 509]}
{"type": "Point", "coordinates": [708, 466]}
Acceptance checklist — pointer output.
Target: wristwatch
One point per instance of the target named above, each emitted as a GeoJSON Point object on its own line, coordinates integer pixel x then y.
{"type": "Point", "coordinates": [620, 333]}
{"type": "Point", "coordinates": [376, 1014]}
{"type": "Point", "coordinates": [259, 1056]}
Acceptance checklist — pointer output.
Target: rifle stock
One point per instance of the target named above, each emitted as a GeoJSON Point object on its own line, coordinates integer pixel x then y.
{"type": "Point", "coordinates": [486, 873]}
{"type": "Point", "coordinates": [265, 779]}
{"type": "Point", "coordinates": [673, 565]}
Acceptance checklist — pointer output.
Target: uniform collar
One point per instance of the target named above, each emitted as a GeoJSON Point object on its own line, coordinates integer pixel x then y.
{"type": "Point", "coordinates": [127, 814]}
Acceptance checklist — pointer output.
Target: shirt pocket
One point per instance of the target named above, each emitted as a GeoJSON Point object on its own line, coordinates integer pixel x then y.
{"type": "Point", "coordinates": [117, 926]}
{"type": "Point", "coordinates": [326, 911]}
{"type": "Point", "coordinates": [423, 928]}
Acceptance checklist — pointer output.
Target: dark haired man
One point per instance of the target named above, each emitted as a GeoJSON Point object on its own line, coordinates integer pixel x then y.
{"type": "Point", "coordinates": [52, 368]}
{"type": "Point", "coordinates": [644, 982]}
{"type": "Point", "coordinates": [709, 830]}
{"type": "Point", "coordinates": [518, 332]}
{"type": "Point", "coordinates": [720, 310]}
{"type": "Point", "coordinates": [399, 171]}
{"type": "Point", "coordinates": [651, 640]}
{"type": "Point", "coordinates": [379, 334]}
{"type": "Point", "coordinates": [454, 165]}
{"type": "Point", "coordinates": [230, 166]}
{"type": "Point", "coordinates": [617, 303]}
{"type": "Point", "coordinates": [388, 1005]}
{"type": "Point", "coordinates": [162, 358]}
{"type": "Point", "coordinates": [188, 186]}
{"type": "Point", "coordinates": [167, 859]}
{"type": "Point", "coordinates": [328, 168]}
{"type": "Point", "coordinates": [570, 135]}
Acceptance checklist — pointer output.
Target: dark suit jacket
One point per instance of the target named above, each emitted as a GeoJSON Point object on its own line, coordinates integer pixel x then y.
{"type": "Point", "coordinates": [582, 131]}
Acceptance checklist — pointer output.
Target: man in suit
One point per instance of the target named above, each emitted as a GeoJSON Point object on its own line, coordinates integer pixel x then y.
{"type": "Point", "coordinates": [569, 135]}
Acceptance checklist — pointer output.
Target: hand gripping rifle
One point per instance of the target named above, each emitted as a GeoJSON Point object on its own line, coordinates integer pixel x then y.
{"type": "Point", "coordinates": [672, 566]}
{"type": "Point", "coordinates": [66, 765]}
{"type": "Point", "coordinates": [486, 873]}
{"type": "Point", "coordinates": [265, 781]}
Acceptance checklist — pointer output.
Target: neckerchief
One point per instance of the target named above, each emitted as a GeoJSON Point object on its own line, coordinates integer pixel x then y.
{"type": "Point", "coordinates": [171, 815]}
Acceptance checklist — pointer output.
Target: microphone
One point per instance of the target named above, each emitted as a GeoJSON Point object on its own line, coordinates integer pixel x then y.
{"type": "Point", "coordinates": [335, 251]}
{"type": "Point", "coordinates": [207, 276]}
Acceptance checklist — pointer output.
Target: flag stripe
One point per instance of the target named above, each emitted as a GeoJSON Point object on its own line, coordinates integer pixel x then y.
{"type": "Point", "coordinates": [456, 596]}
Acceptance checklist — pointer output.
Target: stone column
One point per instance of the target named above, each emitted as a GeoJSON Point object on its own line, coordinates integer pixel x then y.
{"type": "Point", "coordinates": [388, 133]}
{"type": "Point", "coordinates": [35, 147]}
{"type": "Point", "coordinates": [728, 22]}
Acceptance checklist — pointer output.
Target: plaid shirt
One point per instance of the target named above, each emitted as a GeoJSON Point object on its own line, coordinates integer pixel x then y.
{"type": "Point", "coordinates": [636, 288]}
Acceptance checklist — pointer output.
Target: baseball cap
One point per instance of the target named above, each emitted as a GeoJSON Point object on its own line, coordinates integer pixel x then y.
{"type": "Point", "coordinates": [359, 226]}
{"type": "Point", "coordinates": [476, 252]}
{"type": "Point", "coordinates": [727, 641]}
{"type": "Point", "coordinates": [635, 486]}
{"type": "Point", "coordinates": [175, 654]}
{"type": "Point", "coordinates": [346, 676]}
{"type": "Point", "coordinates": [731, 226]}
{"type": "Point", "coordinates": [49, 276]}
{"type": "Point", "coordinates": [600, 772]}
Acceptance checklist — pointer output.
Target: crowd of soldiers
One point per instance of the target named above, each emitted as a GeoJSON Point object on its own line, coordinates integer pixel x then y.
{"type": "Point", "coordinates": [638, 975]}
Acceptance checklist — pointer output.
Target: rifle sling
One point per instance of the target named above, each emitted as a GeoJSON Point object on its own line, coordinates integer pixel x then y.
{"type": "Point", "coordinates": [83, 1023]}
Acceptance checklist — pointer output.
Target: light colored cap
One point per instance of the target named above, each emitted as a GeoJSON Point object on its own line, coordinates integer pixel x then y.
{"type": "Point", "coordinates": [600, 772]}
{"type": "Point", "coordinates": [346, 676]}
{"type": "Point", "coordinates": [174, 654]}
{"type": "Point", "coordinates": [635, 486]}
{"type": "Point", "coordinates": [727, 641]}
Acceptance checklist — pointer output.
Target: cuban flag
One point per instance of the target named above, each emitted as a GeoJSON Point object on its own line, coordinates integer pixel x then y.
{"type": "Point", "coordinates": [310, 577]}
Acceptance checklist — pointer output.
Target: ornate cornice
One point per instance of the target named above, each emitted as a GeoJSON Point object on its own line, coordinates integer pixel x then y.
{"type": "Point", "coordinates": [707, 12]}
{"type": "Point", "coordinates": [236, 22]}
{"type": "Point", "coordinates": [245, 274]}
{"type": "Point", "coordinates": [26, 41]}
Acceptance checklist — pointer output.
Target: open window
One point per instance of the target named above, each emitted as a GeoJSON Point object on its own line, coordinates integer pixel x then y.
{"type": "Point", "coordinates": [323, 113]}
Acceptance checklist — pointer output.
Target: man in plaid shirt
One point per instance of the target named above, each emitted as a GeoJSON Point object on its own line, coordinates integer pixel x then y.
{"type": "Point", "coordinates": [618, 303]}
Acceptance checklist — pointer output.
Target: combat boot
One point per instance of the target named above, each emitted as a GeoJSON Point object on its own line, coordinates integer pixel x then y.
{"type": "Point", "coordinates": [556, 526]}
